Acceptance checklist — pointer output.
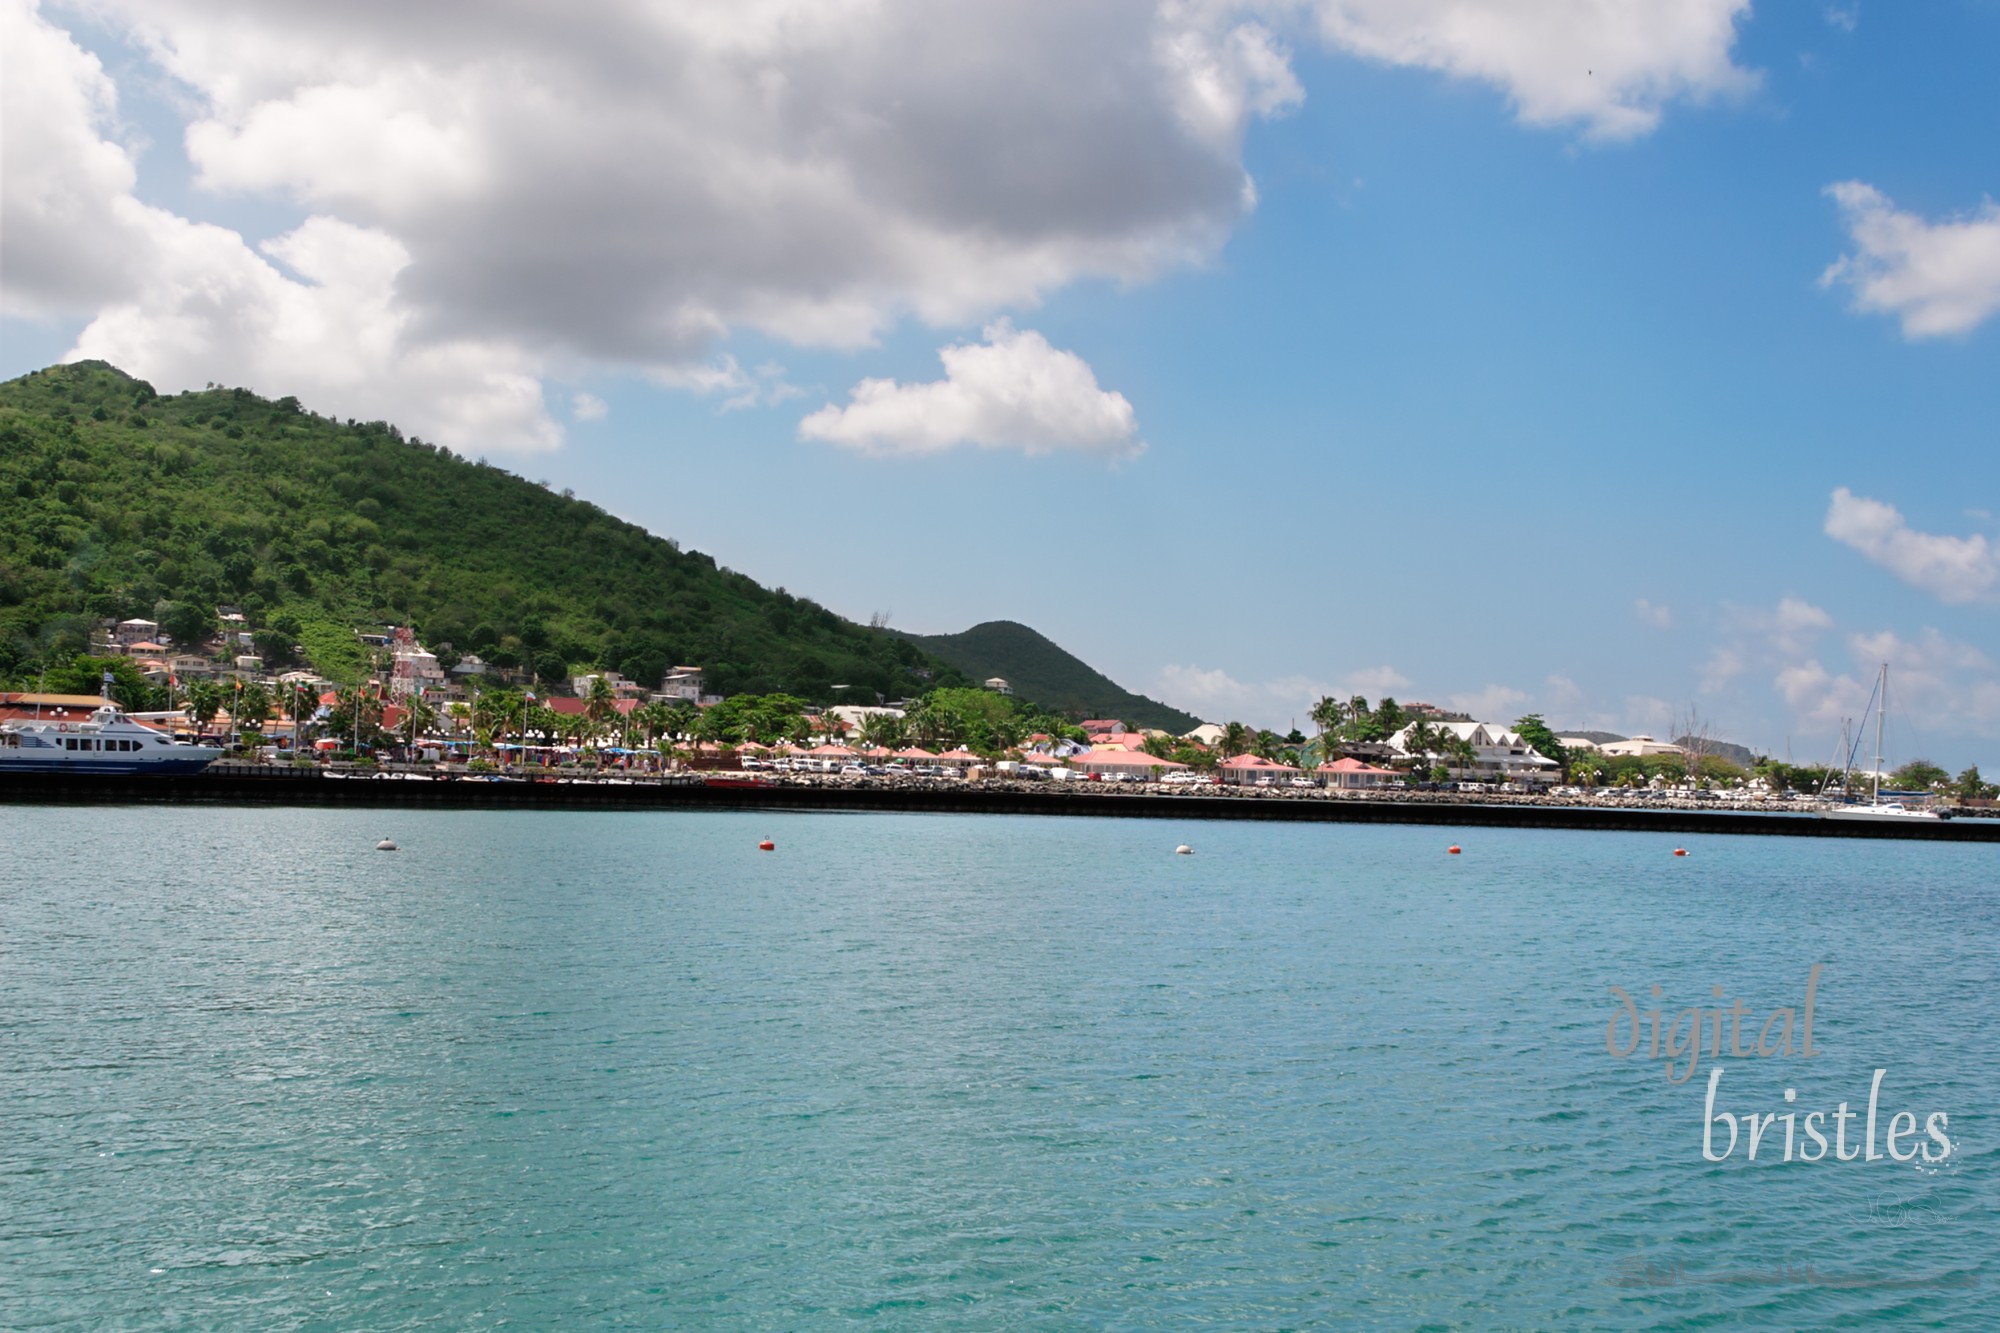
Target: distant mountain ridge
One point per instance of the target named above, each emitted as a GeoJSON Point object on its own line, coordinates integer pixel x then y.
{"type": "Point", "coordinates": [1039, 669]}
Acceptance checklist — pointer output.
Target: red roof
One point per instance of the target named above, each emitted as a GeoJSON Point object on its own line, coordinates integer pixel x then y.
{"type": "Point", "coordinates": [831, 752]}
{"type": "Point", "coordinates": [1347, 764]}
{"type": "Point", "coordinates": [1250, 763]}
{"type": "Point", "coordinates": [1123, 759]}
{"type": "Point", "coordinates": [914, 753]}
{"type": "Point", "coordinates": [564, 706]}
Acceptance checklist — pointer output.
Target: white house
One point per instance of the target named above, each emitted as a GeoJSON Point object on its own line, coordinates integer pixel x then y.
{"type": "Point", "coordinates": [855, 714]}
{"type": "Point", "coordinates": [999, 685]}
{"type": "Point", "coordinates": [1500, 753]}
{"type": "Point", "coordinates": [681, 683]}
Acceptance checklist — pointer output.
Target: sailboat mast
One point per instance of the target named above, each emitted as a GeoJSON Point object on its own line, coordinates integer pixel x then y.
{"type": "Point", "coordinates": [1881, 711]}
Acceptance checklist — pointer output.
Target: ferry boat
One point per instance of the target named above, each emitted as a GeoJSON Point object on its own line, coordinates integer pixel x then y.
{"type": "Point", "coordinates": [108, 742]}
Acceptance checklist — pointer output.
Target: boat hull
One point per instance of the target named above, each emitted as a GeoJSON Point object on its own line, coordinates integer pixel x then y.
{"type": "Point", "coordinates": [107, 766]}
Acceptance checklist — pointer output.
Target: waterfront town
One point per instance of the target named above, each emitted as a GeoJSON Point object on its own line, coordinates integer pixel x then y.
{"type": "Point", "coordinates": [416, 712]}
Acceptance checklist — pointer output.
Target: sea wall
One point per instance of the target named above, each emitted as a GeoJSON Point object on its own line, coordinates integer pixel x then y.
{"type": "Point", "coordinates": [312, 787]}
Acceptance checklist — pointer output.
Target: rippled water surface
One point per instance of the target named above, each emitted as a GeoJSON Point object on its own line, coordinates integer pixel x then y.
{"type": "Point", "coordinates": [624, 1070]}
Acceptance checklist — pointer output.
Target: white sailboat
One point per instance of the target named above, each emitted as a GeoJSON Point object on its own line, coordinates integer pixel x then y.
{"type": "Point", "coordinates": [1877, 808]}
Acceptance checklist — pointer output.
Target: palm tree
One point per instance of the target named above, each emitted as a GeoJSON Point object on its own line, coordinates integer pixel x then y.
{"type": "Point", "coordinates": [204, 701]}
{"type": "Point", "coordinates": [300, 705]}
{"type": "Point", "coordinates": [1327, 715]}
{"type": "Point", "coordinates": [927, 725]}
{"type": "Point", "coordinates": [882, 731]}
{"type": "Point", "coordinates": [253, 707]}
{"type": "Point", "coordinates": [1421, 741]}
{"type": "Point", "coordinates": [419, 716]}
{"type": "Point", "coordinates": [1236, 739]}
{"type": "Point", "coordinates": [653, 720]}
{"type": "Point", "coordinates": [681, 717]}
{"type": "Point", "coordinates": [1462, 751]}
{"type": "Point", "coordinates": [600, 711]}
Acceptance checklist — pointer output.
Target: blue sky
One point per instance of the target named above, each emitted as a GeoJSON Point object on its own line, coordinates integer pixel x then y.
{"type": "Point", "coordinates": [1510, 390]}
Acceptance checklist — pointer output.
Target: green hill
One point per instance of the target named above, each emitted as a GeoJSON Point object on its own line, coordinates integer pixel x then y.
{"type": "Point", "coordinates": [121, 503]}
{"type": "Point", "coordinates": [1042, 671]}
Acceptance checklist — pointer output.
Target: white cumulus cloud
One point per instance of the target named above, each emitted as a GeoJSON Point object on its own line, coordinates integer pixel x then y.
{"type": "Point", "coordinates": [482, 194]}
{"type": "Point", "coordinates": [312, 313]}
{"type": "Point", "coordinates": [1939, 278]}
{"type": "Point", "coordinates": [1953, 569]}
{"type": "Point", "coordinates": [1609, 67]}
{"type": "Point", "coordinates": [1653, 613]}
{"type": "Point", "coordinates": [1011, 391]}
{"type": "Point", "coordinates": [1492, 703]}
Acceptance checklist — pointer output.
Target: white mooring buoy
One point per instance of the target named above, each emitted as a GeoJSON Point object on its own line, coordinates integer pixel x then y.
{"type": "Point", "coordinates": [386, 846]}
{"type": "Point", "coordinates": [1183, 850]}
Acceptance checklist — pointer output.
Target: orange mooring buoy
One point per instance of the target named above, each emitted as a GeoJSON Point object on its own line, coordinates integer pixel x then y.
{"type": "Point", "coordinates": [767, 846]}
{"type": "Point", "coordinates": [1452, 850]}
{"type": "Point", "coordinates": [1680, 851]}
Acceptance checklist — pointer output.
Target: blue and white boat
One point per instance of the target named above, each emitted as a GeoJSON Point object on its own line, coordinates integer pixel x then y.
{"type": "Point", "coordinates": [108, 742]}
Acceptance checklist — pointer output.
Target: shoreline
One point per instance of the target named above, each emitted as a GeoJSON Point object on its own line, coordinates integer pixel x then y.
{"type": "Point", "coordinates": [314, 787]}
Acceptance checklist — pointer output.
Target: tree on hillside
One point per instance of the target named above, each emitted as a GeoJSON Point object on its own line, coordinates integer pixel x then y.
{"type": "Point", "coordinates": [185, 624]}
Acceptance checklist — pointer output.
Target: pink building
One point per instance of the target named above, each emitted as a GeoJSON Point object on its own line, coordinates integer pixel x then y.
{"type": "Point", "coordinates": [1249, 770]}
{"type": "Point", "coordinates": [1353, 775]}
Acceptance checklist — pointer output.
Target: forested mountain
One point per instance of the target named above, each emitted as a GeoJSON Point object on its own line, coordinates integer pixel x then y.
{"type": "Point", "coordinates": [1040, 670]}
{"type": "Point", "coordinates": [120, 502]}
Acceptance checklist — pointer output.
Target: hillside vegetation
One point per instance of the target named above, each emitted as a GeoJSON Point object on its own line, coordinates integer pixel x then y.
{"type": "Point", "coordinates": [120, 502]}
{"type": "Point", "coordinates": [1042, 671]}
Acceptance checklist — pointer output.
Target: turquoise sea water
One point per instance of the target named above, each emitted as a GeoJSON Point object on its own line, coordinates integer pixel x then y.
{"type": "Point", "coordinates": [625, 1071]}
